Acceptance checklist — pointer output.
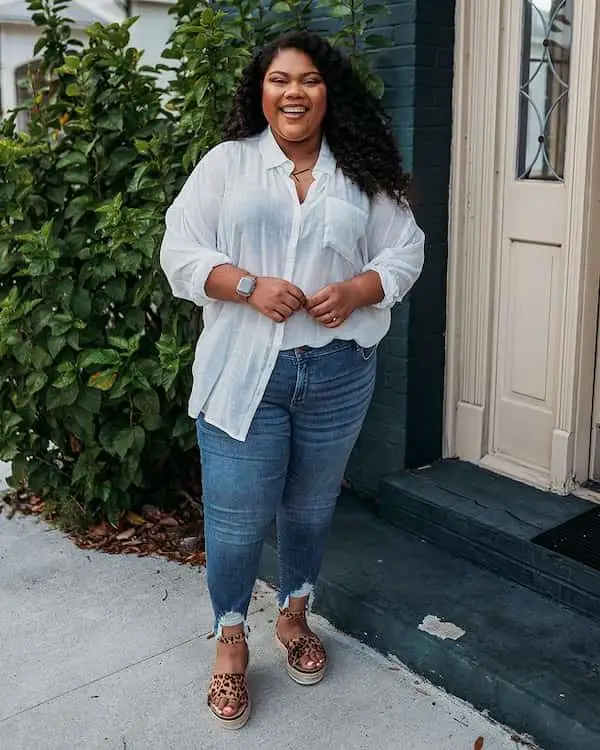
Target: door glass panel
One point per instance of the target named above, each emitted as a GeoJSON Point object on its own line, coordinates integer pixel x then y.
{"type": "Point", "coordinates": [544, 89]}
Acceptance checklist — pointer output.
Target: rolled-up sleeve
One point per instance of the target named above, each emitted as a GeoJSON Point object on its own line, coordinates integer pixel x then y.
{"type": "Point", "coordinates": [395, 245]}
{"type": "Point", "coordinates": [189, 252]}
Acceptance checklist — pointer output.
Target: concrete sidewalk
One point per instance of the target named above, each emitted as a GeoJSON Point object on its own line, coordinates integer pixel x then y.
{"type": "Point", "coordinates": [103, 652]}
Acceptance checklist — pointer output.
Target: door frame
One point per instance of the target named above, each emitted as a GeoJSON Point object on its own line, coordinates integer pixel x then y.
{"type": "Point", "coordinates": [475, 191]}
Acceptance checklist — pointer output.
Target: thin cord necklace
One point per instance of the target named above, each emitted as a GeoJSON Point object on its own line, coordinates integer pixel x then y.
{"type": "Point", "coordinates": [301, 171]}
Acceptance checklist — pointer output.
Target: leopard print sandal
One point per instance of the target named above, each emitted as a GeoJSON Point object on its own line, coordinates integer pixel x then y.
{"type": "Point", "coordinates": [296, 650]}
{"type": "Point", "coordinates": [233, 687]}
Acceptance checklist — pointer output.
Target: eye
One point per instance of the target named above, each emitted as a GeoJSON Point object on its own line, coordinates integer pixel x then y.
{"type": "Point", "coordinates": [277, 79]}
{"type": "Point", "coordinates": [313, 81]}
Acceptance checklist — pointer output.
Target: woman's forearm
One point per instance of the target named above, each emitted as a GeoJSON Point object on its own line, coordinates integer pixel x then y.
{"type": "Point", "coordinates": [367, 288]}
{"type": "Point", "coordinates": [222, 283]}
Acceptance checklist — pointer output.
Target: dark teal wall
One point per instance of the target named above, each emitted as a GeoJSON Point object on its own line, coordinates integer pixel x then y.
{"type": "Point", "coordinates": [404, 426]}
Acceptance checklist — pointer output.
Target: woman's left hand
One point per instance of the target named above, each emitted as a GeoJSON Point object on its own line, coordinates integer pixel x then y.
{"type": "Point", "coordinates": [333, 304]}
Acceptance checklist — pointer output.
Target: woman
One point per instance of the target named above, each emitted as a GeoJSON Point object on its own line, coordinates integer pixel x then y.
{"type": "Point", "coordinates": [295, 236]}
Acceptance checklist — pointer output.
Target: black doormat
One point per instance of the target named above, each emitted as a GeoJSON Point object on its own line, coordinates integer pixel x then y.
{"type": "Point", "coordinates": [578, 539]}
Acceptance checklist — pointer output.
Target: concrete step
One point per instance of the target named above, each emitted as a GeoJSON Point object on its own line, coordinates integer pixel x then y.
{"type": "Point", "coordinates": [494, 522]}
{"type": "Point", "coordinates": [531, 662]}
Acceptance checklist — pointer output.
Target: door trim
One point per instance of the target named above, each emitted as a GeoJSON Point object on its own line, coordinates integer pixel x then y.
{"type": "Point", "coordinates": [472, 230]}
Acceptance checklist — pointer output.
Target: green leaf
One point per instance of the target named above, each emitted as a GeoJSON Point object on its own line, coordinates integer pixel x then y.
{"type": "Point", "coordinates": [119, 343]}
{"type": "Point", "coordinates": [77, 207]}
{"type": "Point", "coordinates": [81, 423]}
{"type": "Point", "coordinates": [60, 397]}
{"type": "Point", "coordinates": [139, 439]}
{"type": "Point", "coordinates": [35, 382]}
{"type": "Point", "coordinates": [121, 159]}
{"type": "Point", "coordinates": [39, 46]}
{"type": "Point", "coordinates": [65, 380]}
{"type": "Point", "coordinates": [123, 441]}
{"type": "Point", "coordinates": [138, 178]}
{"type": "Point", "coordinates": [55, 345]}
{"type": "Point", "coordinates": [23, 352]}
{"type": "Point", "coordinates": [41, 317]}
{"type": "Point", "coordinates": [87, 466]}
{"type": "Point", "coordinates": [10, 420]}
{"type": "Point", "coordinates": [72, 62]}
{"type": "Point", "coordinates": [8, 451]}
{"type": "Point", "coordinates": [99, 357]}
{"type": "Point", "coordinates": [116, 289]}
{"type": "Point", "coordinates": [103, 380]}
{"type": "Point", "coordinates": [61, 323]}
{"type": "Point", "coordinates": [57, 194]}
{"type": "Point", "coordinates": [19, 471]}
{"type": "Point", "coordinates": [146, 245]}
{"type": "Point", "coordinates": [41, 267]}
{"type": "Point", "coordinates": [340, 11]}
{"type": "Point", "coordinates": [183, 424]}
{"type": "Point", "coordinates": [77, 176]}
{"type": "Point", "coordinates": [208, 16]}
{"type": "Point", "coordinates": [111, 121]}
{"type": "Point", "coordinates": [73, 340]}
{"type": "Point", "coordinates": [82, 303]}
{"type": "Point", "coordinates": [377, 87]}
{"type": "Point", "coordinates": [40, 358]}
{"type": "Point", "coordinates": [148, 404]}
{"type": "Point", "coordinates": [70, 159]}
{"type": "Point", "coordinates": [135, 319]}
{"type": "Point", "coordinates": [90, 399]}
{"type": "Point", "coordinates": [64, 288]}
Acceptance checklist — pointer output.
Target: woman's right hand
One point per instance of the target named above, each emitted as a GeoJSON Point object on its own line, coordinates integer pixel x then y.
{"type": "Point", "coordinates": [276, 298]}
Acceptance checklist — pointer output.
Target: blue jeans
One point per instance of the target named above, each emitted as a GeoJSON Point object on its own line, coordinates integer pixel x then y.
{"type": "Point", "coordinates": [289, 469]}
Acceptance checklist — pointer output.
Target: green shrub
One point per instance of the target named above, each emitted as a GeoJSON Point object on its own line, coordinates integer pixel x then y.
{"type": "Point", "coordinates": [95, 354]}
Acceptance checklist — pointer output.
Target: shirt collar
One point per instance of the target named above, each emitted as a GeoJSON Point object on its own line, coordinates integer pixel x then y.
{"type": "Point", "coordinates": [273, 156]}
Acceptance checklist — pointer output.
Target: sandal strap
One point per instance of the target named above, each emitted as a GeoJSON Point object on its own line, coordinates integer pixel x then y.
{"type": "Point", "coordinates": [301, 645]}
{"type": "Point", "coordinates": [233, 687]}
{"type": "Point", "coordinates": [231, 640]}
{"type": "Point", "coordinates": [288, 614]}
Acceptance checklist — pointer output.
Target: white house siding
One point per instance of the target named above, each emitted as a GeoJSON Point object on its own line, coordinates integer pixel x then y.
{"type": "Point", "coordinates": [16, 46]}
{"type": "Point", "coordinates": [4, 474]}
{"type": "Point", "coordinates": [17, 40]}
{"type": "Point", "coordinates": [151, 31]}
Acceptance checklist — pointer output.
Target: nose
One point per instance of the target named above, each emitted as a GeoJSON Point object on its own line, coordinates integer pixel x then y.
{"type": "Point", "coordinates": [294, 88]}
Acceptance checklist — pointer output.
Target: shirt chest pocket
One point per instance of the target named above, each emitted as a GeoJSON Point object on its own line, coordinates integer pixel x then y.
{"type": "Point", "coordinates": [345, 226]}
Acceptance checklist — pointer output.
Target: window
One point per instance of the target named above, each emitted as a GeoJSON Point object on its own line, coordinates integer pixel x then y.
{"type": "Point", "coordinates": [28, 81]}
{"type": "Point", "coordinates": [544, 89]}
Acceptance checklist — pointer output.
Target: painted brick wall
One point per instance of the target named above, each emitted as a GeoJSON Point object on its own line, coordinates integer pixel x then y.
{"type": "Point", "coordinates": [404, 426]}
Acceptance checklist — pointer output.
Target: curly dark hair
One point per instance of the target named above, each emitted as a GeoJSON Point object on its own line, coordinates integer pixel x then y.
{"type": "Point", "coordinates": [356, 128]}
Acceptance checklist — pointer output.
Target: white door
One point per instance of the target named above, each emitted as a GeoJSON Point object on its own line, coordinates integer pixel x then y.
{"type": "Point", "coordinates": [519, 363]}
{"type": "Point", "coordinates": [531, 253]}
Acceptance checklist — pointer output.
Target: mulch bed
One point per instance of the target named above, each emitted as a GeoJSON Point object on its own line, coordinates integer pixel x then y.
{"type": "Point", "coordinates": [176, 535]}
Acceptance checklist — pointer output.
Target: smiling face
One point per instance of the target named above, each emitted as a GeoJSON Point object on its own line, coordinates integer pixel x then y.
{"type": "Point", "coordinates": [294, 97]}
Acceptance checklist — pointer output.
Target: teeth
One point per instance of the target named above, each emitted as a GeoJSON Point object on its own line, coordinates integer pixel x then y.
{"type": "Point", "coordinates": [294, 110]}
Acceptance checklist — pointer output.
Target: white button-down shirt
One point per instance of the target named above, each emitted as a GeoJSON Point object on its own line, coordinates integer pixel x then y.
{"type": "Point", "coordinates": [240, 206]}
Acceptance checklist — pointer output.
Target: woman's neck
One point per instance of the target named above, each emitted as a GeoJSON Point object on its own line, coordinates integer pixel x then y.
{"type": "Point", "coordinates": [300, 152]}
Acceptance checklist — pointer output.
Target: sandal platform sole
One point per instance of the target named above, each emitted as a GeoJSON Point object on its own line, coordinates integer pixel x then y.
{"type": "Point", "coordinates": [237, 722]}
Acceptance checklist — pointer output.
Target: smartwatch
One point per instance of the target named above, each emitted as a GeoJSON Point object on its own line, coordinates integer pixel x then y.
{"type": "Point", "coordinates": [246, 285]}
